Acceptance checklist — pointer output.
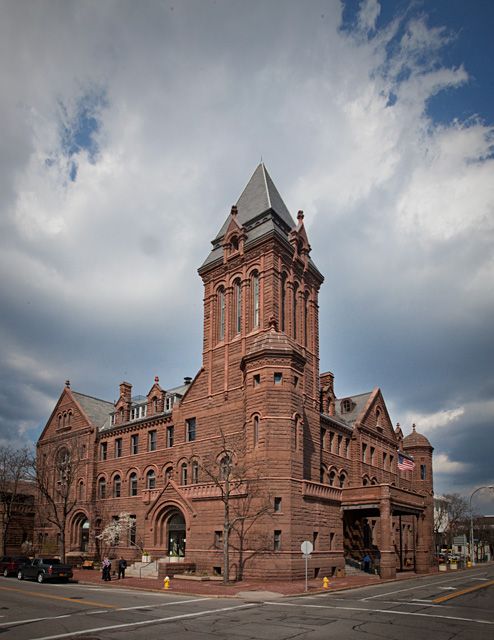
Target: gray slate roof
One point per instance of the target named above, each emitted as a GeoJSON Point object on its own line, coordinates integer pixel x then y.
{"type": "Point", "coordinates": [98, 411]}
{"type": "Point", "coordinates": [359, 401]}
{"type": "Point", "coordinates": [260, 210]}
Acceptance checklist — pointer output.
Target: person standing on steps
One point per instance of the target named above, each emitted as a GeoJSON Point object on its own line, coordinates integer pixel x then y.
{"type": "Point", "coordinates": [366, 561]}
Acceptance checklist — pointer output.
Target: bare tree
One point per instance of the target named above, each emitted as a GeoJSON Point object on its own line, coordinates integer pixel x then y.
{"type": "Point", "coordinates": [451, 517]}
{"type": "Point", "coordinates": [14, 470]}
{"type": "Point", "coordinates": [245, 500]}
{"type": "Point", "coordinates": [56, 470]}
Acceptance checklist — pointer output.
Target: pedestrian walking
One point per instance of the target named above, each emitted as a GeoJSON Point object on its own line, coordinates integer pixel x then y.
{"type": "Point", "coordinates": [122, 565]}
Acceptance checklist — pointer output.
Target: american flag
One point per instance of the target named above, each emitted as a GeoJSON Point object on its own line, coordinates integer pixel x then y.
{"type": "Point", "coordinates": [405, 464]}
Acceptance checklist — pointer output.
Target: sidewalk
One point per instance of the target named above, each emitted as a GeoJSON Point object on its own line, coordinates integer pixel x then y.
{"type": "Point", "coordinates": [245, 588]}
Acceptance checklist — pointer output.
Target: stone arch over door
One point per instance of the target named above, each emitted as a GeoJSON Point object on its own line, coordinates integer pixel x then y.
{"type": "Point", "coordinates": [170, 531]}
{"type": "Point", "coordinates": [80, 532]}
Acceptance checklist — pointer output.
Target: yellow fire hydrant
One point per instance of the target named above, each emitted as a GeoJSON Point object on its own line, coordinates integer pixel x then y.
{"type": "Point", "coordinates": [325, 583]}
{"type": "Point", "coordinates": [166, 583]}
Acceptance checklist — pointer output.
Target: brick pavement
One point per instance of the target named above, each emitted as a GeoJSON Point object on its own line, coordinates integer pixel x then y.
{"type": "Point", "coordinates": [213, 588]}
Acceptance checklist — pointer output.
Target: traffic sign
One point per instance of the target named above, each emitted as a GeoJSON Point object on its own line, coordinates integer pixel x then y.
{"type": "Point", "coordinates": [307, 547]}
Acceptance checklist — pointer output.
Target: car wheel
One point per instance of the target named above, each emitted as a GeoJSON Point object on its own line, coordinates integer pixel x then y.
{"type": "Point", "coordinates": [5, 573]}
{"type": "Point", "coordinates": [41, 577]}
{"type": "Point", "coordinates": [20, 576]}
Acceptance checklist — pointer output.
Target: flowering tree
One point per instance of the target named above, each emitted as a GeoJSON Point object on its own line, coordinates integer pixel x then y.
{"type": "Point", "coordinates": [118, 529]}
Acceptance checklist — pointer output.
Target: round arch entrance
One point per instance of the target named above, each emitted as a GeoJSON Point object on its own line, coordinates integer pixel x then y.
{"type": "Point", "coordinates": [80, 532]}
{"type": "Point", "coordinates": [176, 535]}
{"type": "Point", "coordinates": [170, 533]}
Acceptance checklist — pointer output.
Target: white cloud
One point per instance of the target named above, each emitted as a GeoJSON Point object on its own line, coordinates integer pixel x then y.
{"type": "Point", "coordinates": [426, 423]}
{"type": "Point", "coordinates": [100, 273]}
{"type": "Point", "coordinates": [368, 14]}
{"type": "Point", "coordinates": [443, 465]}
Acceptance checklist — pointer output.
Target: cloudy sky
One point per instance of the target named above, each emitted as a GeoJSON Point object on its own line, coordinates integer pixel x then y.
{"type": "Point", "coordinates": [130, 128]}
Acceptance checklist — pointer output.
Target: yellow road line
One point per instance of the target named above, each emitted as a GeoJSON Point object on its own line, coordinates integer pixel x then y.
{"type": "Point", "coordinates": [77, 600]}
{"type": "Point", "coordinates": [463, 592]}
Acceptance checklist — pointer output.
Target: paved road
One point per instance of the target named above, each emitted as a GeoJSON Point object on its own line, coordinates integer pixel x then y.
{"type": "Point", "coordinates": [439, 607]}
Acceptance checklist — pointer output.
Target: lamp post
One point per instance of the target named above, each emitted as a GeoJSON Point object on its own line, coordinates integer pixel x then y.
{"type": "Point", "coordinates": [472, 554]}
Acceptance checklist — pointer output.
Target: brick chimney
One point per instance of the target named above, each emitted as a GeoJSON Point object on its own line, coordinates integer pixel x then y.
{"type": "Point", "coordinates": [326, 382]}
{"type": "Point", "coordinates": [126, 391]}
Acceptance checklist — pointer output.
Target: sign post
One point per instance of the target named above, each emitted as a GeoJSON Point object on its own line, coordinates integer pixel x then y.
{"type": "Point", "coordinates": [307, 548]}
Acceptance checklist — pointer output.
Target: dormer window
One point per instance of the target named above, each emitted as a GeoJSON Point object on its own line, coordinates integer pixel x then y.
{"type": "Point", "coordinates": [169, 403]}
{"type": "Point", "coordinates": [234, 243]}
{"type": "Point", "coordinates": [346, 405]}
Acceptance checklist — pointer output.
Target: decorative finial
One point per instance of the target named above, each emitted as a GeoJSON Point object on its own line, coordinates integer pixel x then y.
{"type": "Point", "coordinates": [300, 215]}
{"type": "Point", "coordinates": [413, 427]}
{"type": "Point", "coordinates": [273, 324]}
{"type": "Point", "coordinates": [67, 384]}
{"type": "Point", "coordinates": [397, 425]}
{"type": "Point", "coordinates": [234, 211]}
{"type": "Point", "coordinates": [156, 378]}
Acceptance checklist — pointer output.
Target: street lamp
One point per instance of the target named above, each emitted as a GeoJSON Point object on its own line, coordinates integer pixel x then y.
{"type": "Point", "coordinates": [472, 555]}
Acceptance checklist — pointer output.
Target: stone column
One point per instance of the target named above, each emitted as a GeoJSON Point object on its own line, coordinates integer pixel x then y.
{"type": "Point", "coordinates": [388, 559]}
{"type": "Point", "coordinates": [421, 553]}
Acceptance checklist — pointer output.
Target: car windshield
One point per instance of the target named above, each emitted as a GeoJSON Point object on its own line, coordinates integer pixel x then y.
{"type": "Point", "coordinates": [51, 561]}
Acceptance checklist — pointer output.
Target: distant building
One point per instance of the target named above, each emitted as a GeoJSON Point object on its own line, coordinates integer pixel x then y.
{"type": "Point", "coordinates": [21, 526]}
{"type": "Point", "coordinates": [334, 470]}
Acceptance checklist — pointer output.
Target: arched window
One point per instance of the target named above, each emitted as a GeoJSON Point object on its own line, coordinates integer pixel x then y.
{"type": "Point", "coordinates": [332, 476]}
{"type": "Point", "coordinates": [225, 466]}
{"type": "Point", "coordinates": [221, 314]}
{"type": "Point", "coordinates": [60, 421]}
{"type": "Point", "coordinates": [322, 472]}
{"type": "Point", "coordinates": [234, 243]}
{"type": "Point", "coordinates": [256, 309]}
{"type": "Point", "coordinates": [151, 479]}
{"type": "Point", "coordinates": [80, 490]}
{"type": "Point", "coordinates": [69, 418]}
{"type": "Point", "coordinates": [256, 429]}
{"type": "Point", "coordinates": [183, 473]}
{"type": "Point", "coordinates": [63, 467]}
{"type": "Point", "coordinates": [342, 480]}
{"type": "Point", "coordinates": [238, 306]}
{"type": "Point", "coordinates": [378, 419]}
{"type": "Point", "coordinates": [117, 486]}
{"type": "Point", "coordinates": [155, 404]}
{"type": "Point", "coordinates": [294, 319]}
{"type": "Point", "coordinates": [296, 435]}
{"type": "Point", "coordinates": [168, 473]}
{"type": "Point", "coordinates": [102, 488]}
{"type": "Point", "coordinates": [283, 302]}
{"type": "Point", "coordinates": [133, 484]}
{"type": "Point", "coordinates": [195, 472]}
{"type": "Point", "coordinates": [306, 317]}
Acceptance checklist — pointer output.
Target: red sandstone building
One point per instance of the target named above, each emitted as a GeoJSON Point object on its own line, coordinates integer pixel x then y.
{"type": "Point", "coordinates": [331, 470]}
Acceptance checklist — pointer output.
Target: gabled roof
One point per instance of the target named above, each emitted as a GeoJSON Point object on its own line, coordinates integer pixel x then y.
{"type": "Point", "coordinates": [96, 410]}
{"type": "Point", "coordinates": [359, 403]}
{"type": "Point", "coordinates": [260, 210]}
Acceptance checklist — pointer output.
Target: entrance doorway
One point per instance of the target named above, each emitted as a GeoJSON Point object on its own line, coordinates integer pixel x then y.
{"type": "Point", "coordinates": [84, 540]}
{"type": "Point", "coordinates": [176, 535]}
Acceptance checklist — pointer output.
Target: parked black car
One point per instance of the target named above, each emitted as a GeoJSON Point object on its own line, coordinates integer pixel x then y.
{"type": "Point", "coordinates": [9, 565]}
{"type": "Point", "coordinates": [43, 569]}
